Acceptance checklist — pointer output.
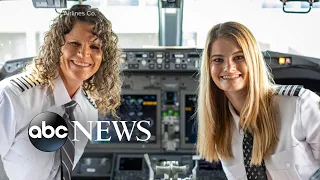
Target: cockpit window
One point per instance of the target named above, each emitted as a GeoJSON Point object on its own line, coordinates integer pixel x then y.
{"type": "Point", "coordinates": [137, 24]}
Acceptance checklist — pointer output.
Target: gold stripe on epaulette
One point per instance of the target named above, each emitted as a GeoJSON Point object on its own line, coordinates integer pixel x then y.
{"type": "Point", "coordinates": [25, 79]}
{"type": "Point", "coordinates": [31, 80]}
{"type": "Point", "coordinates": [289, 90]}
{"type": "Point", "coordinates": [34, 80]}
{"type": "Point", "coordinates": [24, 82]}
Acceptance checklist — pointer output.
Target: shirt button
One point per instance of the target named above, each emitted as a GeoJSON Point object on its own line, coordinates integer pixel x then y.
{"type": "Point", "coordinates": [288, 165]}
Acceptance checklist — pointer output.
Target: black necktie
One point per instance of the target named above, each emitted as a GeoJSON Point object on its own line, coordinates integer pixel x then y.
{"type": "Point", "coordinates": [254, 172]}
{"type": "Point", "coordinates": [68, 149]}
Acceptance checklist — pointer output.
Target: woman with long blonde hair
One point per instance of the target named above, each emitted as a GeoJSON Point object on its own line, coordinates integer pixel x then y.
{"type": "Point", "coordinates": [256, 129]}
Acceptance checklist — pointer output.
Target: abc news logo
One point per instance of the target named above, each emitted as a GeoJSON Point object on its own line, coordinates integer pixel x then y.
{"type": "Point", "coordinates": [48, 131]}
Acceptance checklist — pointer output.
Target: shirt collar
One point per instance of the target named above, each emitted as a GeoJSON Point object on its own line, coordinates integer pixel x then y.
{"type": "Point", "coordinates": [61, 95]}
{"type": "Point", "coordinates": [236, 118]}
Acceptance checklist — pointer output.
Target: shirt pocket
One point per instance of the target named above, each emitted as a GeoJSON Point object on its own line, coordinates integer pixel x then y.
{"type": "Point", "coordinates": [288, 164]}
{"type": "Point", "coordinates": [22, 155]}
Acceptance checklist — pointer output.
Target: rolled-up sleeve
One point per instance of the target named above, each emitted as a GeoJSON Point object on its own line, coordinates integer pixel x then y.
{"type": "Point", "coordinates": [9, 113]}
{"type": "Point", "coordinates": [310, 119]}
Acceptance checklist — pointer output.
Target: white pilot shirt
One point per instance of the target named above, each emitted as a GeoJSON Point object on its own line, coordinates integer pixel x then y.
{"type": "Point", "coordinates": [21, 99]}
{"type": "Point", "coordinates": [297, 155]}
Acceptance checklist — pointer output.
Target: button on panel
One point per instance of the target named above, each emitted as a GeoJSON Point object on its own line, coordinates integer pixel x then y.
{"type": "Point", "coordinates": [177, 60]}
{"type": "Point", "coordinates": [159, 55]}
{"type": "Point", "coordinates": [143, 62]}
{"type": "Point", "coordinates": [184, 66]}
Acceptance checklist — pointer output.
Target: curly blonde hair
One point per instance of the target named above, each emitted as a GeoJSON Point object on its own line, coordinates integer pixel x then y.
{"type": "Point", "coordinates": [104, 86]}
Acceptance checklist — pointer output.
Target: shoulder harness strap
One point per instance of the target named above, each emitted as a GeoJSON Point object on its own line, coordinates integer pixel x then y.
{"type": "Point", "coordinates": [289, 90]}
{"type": "Point", "coordinates": [25, 82]}
{"type": "Point", "coordinates": [89, 99]}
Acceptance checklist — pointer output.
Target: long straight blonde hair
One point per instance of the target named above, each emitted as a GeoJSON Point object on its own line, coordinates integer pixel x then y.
{"type": "Point", "coordinates": [257, 115]}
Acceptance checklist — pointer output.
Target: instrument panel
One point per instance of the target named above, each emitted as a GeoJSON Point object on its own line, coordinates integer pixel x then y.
{"type": "Point", "coordinates": [161, 60]}
{"type": "Point", "coordinates": [160, 87]}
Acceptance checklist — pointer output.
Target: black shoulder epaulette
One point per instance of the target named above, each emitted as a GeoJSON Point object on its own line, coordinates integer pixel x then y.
{"type": "Point", "coordinates": [89, 99]}
{"type": "Point", "coordinates": [24, 82]}
{"type": "Point", "coordinates": [289, 90]}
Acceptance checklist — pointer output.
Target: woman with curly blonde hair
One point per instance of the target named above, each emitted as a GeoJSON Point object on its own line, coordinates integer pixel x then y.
{"type": "Point", "coordinates": [104, 85]}
{"type": "Point", "coordinates": [76, 75]}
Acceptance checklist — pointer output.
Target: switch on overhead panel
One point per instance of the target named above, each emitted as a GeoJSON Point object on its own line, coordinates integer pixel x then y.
{"type": "Point", "coordinates": [50, 2]}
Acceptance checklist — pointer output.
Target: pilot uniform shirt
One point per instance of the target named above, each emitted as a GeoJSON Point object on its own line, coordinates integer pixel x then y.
{"type": "Point", "coordinates": [297, 154]}
{"type": "Point", "coordinates": [21, 99]}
